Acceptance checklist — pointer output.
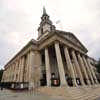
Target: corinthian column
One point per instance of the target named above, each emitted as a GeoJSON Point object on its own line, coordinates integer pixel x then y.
{"type": "Point", "coordinates": [22, 68]}
{"type": "Point", "coordinates": [47, 64]}
{"type": "Point", "coordinates": [60, 65]}
{"type": "Point", "coordinates": [77, 67]}
{"type": "Point", "coordinates": [70, 66]}
{"type": "Point", "coordinates": [28, 66]}
{"type": "Point", "coordinates": [19, 69]}
{"type": "Point", "coordinates": [83, 68]}
{"type": "Point", "coordinates": [93, 73]}
{"type": "Point", "coordinates": [31, 65]}
{"type": "Point", "coordinates": [17, 65]}
{"type": "Point", "coordinates": [31, 68]}
{"type": "Point", "coordinates": [89, 72]}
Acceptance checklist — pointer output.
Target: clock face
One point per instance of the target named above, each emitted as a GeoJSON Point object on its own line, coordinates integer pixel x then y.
{"type": "Point", "coordinates": [46, 27]}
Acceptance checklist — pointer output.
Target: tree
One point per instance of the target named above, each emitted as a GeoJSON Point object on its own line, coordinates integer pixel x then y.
{"type": "Point", "coordinates": [98, 66]}
{"type": "Point", "coordinates": [1, 73]}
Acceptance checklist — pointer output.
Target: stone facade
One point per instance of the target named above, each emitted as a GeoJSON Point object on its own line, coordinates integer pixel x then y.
{"type": "Point", "coordinates": [54, 55]}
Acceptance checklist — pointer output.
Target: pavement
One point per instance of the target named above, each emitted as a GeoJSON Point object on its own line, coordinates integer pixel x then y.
{"type": "Point", "coordinates": [17, 95]}
{"type": "Point", "coordinates": [11, 95]}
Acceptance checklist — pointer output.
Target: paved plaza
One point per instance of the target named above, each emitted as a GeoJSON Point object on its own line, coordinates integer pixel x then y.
{"type": "Point", "coordinates": [24, 95]}
{"type": "Point", "coordinates": [9, 95]}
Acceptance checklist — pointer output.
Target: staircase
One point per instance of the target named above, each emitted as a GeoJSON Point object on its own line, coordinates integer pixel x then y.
{"type": "Point", "coordinates": [73, 93]}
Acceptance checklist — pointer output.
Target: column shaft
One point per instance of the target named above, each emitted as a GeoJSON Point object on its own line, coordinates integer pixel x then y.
{"type": "Point", "coordinates": [78, 67]}
{"type": "Point", "coordinates": [70, 66]}
{"type": "Point", "coordinates": [83, 68]}
{"type": "Point", "coordinates": [31, 66]}
{"type": "Point", "coordinates": [47, 65]}
{"type": "Point", "coordinates": [22, 66]}
{"type": "Point", "coordinates": [89, 72]}
{"type": "Point", "coordinates": [28, 67]}
{"type": "Point", "coordinates": [93, 73]}
{"type": "Point", "coordinates": [60, 65]}
{"type": "Point", "coordinates": [19, 69]}
{"type": "Point", "coordinates": [15, 71]}
{"type": "Point", "coordinates": [31, 69]}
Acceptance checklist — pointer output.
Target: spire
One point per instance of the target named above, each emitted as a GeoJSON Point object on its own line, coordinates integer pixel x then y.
{"type": "Point", "coordinates": [44, 11]}
{"type": "Point", "coordinates": [46, 24]}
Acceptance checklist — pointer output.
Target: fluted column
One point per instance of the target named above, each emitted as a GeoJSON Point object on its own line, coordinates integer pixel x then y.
{"type": "Point", "coordinates": [89, 72]}
{"type": "Point", "coordinates": [60, 65]}
{"type": "Point", "coordinates": [13, 72]}
{"type": "Point", "coordinates": [31, 69]}
{"type": "Point", "coordinates": [31, 65]}
{"type": "Point", "coordinates": [19, 69]}
{"type": "Point", "coordinates": [22, 67]}
{"type": "Point", "coordinates": [37, 70]}
{"type": "Point", "coordinates": [77, 67]}
{"type": "Point", "coordinates": [15, 79]}
{"type": "Point", "coordinates": [47, 65]}
{"type": "Point", "coordinates": [70, 66]}
{"type": "Point", "coordinates": [28, 67]}
{"type": "Point", "coordinates": [93, 73]}
{"type": "Point", "coordinates": [83, 68]}
{"type": "Point", "coordinates": [9, 74]}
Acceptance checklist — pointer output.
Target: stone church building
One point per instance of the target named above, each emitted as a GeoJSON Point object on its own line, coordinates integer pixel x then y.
{"type": "Point", "coordinates": [56, 58]}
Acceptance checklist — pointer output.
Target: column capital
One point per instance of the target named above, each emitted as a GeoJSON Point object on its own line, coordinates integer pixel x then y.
{"type": "Point", "coordinates": [65, 46]}
{"type": "Point", "coordinates": [56, 42]}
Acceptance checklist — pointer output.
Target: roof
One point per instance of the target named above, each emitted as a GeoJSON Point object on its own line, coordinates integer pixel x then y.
{"type": "Point", "coordinates": [32, 41]}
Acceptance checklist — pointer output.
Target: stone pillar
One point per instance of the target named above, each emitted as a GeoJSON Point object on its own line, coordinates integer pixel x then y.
{"type": "Point", "coordinates": [70, 66]}
{"type": "Point", "coordinates": [21, 70]}
{"type": "Point", "coordinates": [14, 72]}
{"type": "Point", "coordinates": [27, 67]}
{"type": "Point", "coordinates": [77, 67]}
{"type": "Point", "coordinates": [31, 65]}
{"type": "Point", "coordinates": [60, 65]}
{"type": "Point", "coordinates": [34, 65]}
{"type": "Point", "coordinates": [37, 70]}
{"type": "Point", "coordinates": [89, 72]}
{"type": "Point", "coordinates": [15, 79]}
{"type": "Point", "coordinates": [83, 68]}
{"type": "Point", "coordinates": [93, 73]}
{"type": "Point", "coordinates": [47, 64]}
{"type": "Point", "coordinates": [17, 70]}
{"type": "Point", "coordinates": [11, 73]}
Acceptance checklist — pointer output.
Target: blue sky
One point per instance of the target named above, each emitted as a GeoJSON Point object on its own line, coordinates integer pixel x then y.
{"type": "Point", "coordinates": [19, 21]}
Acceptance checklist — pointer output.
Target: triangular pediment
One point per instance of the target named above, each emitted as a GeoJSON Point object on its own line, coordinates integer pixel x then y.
{"type": "Point", "coordinates": [67, 36]}
{"type": "Point", "coordinates": [72, 38]}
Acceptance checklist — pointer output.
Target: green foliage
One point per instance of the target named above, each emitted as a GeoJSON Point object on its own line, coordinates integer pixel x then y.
{"type": "Point", "coordinates": [1, 73]}
{"type": "Point", "coordinates": [98, 66]}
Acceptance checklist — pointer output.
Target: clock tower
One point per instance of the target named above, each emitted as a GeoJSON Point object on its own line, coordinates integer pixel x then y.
{"type": "Point", "coordinates": [45, 24]}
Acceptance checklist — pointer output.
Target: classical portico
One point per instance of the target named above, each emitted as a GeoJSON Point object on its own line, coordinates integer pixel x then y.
{"type": "Point", "coordinates": [56, 58]}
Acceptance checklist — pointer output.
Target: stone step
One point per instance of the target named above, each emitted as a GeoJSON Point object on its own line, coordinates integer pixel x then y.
{"type": "Point", "coordinates": [83, 93]}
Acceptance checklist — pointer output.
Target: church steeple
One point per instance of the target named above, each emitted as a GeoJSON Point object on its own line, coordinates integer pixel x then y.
{"type": "Point", "coordinates": [44, 11]}
{"type": "Point", "coordinates": [46, 24]}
